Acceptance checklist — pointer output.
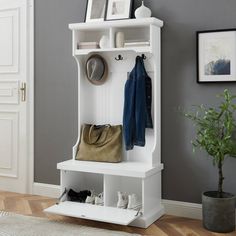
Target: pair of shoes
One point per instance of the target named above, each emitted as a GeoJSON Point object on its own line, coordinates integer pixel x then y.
{"type": "Point", "coordinates": [78, 196]}
{"type": "Point", "coordinates": [133, 203]}
{"type": "Point", "coordinates": [93, 199]}
{"type": "Point", "coordinates": [99, 200]}
{"type": "Point", "coordinates": [128, 201]}
{"type": "Point", "coordinates": [122, 200]}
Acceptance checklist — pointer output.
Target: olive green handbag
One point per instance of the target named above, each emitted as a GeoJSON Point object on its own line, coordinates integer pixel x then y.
{"type": "Point", "coordinates": [100, 143]}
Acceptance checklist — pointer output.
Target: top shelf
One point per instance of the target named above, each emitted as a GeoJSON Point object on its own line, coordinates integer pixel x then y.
{"type": "Point", "coordinates": [117, 23]}
{"type": "Point", "coordinates": [98, 50]}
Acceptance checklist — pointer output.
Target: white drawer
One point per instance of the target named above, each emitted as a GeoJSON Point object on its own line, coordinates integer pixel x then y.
{"type": "Point", "coordinates": [93, 212]}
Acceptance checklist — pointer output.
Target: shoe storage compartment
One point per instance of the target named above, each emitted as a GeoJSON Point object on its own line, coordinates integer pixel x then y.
{"type": "Point", "coordinates": [79, 181]}
{"type": "Point", "coordinates": [127, 185]}
{"type": "Point", "coordinates": [147, 190]}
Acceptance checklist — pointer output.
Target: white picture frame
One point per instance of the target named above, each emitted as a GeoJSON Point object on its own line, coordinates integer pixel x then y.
{"type": "Point", "coordinates": [118, 9]}
{"type": "Point", "coordinates": [96, 10]}
{"type": "Point", "coordinates": [216, 56]}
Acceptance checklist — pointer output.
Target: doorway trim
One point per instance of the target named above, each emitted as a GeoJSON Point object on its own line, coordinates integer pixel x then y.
{"type": "Point", "coordinates": [30, 108]}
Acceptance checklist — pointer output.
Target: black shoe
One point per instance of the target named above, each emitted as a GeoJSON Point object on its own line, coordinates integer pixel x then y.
{"type": "Point", "coordinates": [78, 197]}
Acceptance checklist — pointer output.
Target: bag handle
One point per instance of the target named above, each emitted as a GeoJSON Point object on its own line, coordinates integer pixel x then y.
{"type": "Point", "coordinates": [89, 135]}
{"type": "Point", "coordinates": [103, 127]}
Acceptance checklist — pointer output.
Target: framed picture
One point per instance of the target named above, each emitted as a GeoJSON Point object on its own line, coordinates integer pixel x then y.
{"type": "Point", "coordinates": [95, 10]}
{"type": "Point", "coordinates": [216, 51]}
{"type": "Point", "coordinates": [119, 9]}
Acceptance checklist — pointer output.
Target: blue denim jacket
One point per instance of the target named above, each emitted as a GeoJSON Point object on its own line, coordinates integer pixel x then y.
{"type": "Point", "coordinates": [137, 106]}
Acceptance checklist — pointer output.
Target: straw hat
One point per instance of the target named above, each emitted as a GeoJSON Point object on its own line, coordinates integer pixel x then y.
{"type": "Point", "coordinates": [96, 69]}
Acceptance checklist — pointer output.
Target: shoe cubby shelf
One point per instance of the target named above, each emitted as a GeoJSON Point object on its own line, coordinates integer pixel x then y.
{"type": "Point", "coordinates": [140, 171]}
{"type": "Point", "coordinates": [110, 185]}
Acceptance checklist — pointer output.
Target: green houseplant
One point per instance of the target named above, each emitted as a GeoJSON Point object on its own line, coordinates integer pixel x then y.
{"type": "Point", "coordinates": [215, 133]}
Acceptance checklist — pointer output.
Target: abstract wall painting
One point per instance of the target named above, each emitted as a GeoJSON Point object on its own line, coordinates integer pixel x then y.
{"type": "Point", "coordinates": [216, 56]}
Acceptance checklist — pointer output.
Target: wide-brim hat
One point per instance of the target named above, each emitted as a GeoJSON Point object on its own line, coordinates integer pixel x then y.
{"type": "Point", "coordinates": [96, 69]}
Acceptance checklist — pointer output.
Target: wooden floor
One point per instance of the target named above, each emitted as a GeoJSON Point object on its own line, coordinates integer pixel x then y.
{"type": "Point", "coordinates": [167, 225]}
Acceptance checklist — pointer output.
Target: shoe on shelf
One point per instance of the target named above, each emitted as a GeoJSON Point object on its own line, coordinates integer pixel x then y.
{"type": "Point", "coordinates": [122, 200]}
{"type": "Point", "coordinates": [133, 203]}
{"type": "Point", "coordinates": [62, 197]}
{"type": "Point", "coordinates": [99, 200]}
{"type": "Point", "coordinates": [90, 199]}
{"type": "Point", "coordinates": [78, 196]}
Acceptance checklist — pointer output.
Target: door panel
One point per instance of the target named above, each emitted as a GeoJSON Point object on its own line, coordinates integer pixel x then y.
{"type": "Point", "coordinates": [9, 92]}
{"type": "Point", "coordinates": [14, 70]}
{"type": "Point", "coordinates": [9, 143]}
{"type": "Point", "coordinates": [9, 40]}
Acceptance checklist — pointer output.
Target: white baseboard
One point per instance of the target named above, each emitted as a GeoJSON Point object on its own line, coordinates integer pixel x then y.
{"type": "Point", "coordinates": [182, 209]}
{"type": "Point", "coordinates": [47, 190]}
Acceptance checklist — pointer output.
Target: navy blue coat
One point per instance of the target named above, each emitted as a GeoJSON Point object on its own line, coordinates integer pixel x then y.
{"type": "Point", "coordinates": [137, 106]}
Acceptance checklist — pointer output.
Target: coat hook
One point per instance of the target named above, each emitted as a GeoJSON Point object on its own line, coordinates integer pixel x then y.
{"type": "Point", "coordinates": [119, 58]}
{"type": "Point", "coordinates": [144, 57]}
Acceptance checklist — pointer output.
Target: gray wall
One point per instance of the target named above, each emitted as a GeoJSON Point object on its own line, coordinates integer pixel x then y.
{"type": "Point", "coordinates": [186, 175]}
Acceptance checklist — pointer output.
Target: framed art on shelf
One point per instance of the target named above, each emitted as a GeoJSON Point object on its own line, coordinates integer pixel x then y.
{"type": "Point", "coordinates": [118, 9]}
{"type": "Point", "coordinates": [216, 56]}
{"type": "Point", "coordinates": [95, 10]}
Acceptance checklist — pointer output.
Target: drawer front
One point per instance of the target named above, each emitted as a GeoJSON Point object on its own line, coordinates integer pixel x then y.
{"type": "Point", "coordinates": [92, 212]}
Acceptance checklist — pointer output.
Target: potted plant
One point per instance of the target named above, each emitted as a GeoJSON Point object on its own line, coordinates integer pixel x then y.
{"type": "Point", "coordinates": [215, 133]}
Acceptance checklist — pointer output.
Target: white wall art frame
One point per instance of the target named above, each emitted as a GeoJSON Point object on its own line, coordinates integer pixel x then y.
{"type": "Point", "coordinates": [95, 10]}
{"type": "Point", "coordinates": [119, 9]}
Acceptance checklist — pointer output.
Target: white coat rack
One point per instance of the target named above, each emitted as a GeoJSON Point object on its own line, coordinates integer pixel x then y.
{"type": "Point", "coordinates": [140, 171]}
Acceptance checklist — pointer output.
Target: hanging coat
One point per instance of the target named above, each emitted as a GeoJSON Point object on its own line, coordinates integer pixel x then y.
{"type": "Point", "coordinates": [137, 106]}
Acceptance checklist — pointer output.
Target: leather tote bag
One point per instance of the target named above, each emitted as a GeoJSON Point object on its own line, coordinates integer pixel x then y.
{"type": "Point", "coordinates": [100, 143]}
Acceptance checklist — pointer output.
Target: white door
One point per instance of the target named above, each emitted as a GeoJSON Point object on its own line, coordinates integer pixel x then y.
{"type": "Point", "coordinates": [15, 43]}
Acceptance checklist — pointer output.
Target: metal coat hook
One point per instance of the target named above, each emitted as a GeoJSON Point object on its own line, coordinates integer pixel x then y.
{"type": "Point", "coordinates": [119, 58]}
{"type": "Point", "coordinates": [144, 57]}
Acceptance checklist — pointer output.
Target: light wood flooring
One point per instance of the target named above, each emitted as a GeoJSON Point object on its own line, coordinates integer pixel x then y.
{"type": "Point", "coordinates": [166, 226]}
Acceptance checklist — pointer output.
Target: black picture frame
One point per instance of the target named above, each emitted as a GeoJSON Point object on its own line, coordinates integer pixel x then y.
{"type": "Point", "coordinates": [215, 78]}
{"type": "Point", "coordinates": [86, 13]}
{"type": "Point", "coordinates": [131, 4]}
